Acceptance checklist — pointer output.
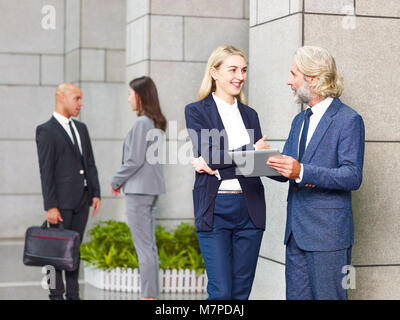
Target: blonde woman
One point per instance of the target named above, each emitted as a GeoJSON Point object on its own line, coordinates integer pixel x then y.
{"type": "Point", "coordinates": [229, 209]}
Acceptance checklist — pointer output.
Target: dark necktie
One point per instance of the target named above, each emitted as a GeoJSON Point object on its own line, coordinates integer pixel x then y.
{"type": "Point", "coordinates": [303, 139]}
{"type": "Point", "coordinates": [74, 137]}
{"type": "Point", "coordinates": [76, 146]}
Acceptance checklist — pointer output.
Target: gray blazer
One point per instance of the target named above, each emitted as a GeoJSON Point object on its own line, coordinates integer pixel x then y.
{"type": "Point", "coordinates": [136, 174]}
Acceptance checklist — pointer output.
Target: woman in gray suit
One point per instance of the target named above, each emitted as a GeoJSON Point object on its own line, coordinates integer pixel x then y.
{"type": "Point", "coordinates": [142, 180]}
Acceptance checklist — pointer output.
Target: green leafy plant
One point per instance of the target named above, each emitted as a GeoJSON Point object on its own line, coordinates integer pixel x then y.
{"type": "Point", "coordinates": [111, 246]}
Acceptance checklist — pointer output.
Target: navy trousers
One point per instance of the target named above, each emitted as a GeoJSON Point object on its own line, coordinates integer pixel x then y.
{"type": "Point", "coordinates": [231, 249]}
{"type": "Point", "coordinates": [315, 275]}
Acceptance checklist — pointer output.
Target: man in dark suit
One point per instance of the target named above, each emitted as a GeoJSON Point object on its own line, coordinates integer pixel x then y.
{"type": "Point", "coordinates": [323, 161]}
{"type": "Point", "coordinates": [68, 174]}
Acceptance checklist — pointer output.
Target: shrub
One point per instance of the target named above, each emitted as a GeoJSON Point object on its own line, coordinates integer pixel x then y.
{"type": "Point", "coordinates": [111, 246]}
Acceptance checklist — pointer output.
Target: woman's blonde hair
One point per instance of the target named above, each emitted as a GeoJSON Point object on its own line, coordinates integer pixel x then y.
{"type": "Point", "coordinates": [217, 57]}
{"type": "Point", "coordinates": [318, 62]}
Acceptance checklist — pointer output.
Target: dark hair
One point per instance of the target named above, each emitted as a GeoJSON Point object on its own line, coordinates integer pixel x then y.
{"type": "Point", "coordinates": [149, 104]}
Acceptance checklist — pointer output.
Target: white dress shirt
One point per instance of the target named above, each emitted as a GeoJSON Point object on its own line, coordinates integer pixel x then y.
{"type": "Point", "coordinates": [236, 132]}
{"type": "Point", "coordinates": [65, 124]}
{"type": "Point", "coordinates": [318, 111]}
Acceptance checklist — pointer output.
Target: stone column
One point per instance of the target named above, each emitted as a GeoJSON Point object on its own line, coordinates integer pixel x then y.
{"type": "Point", "coordinates": [363, 36]}
{"type": "Point", "coordinates": [95, 60]}
{"type": "Point", "coordinates": [31, 66]}
{"type": "Point", "coordinates": [171, 40]}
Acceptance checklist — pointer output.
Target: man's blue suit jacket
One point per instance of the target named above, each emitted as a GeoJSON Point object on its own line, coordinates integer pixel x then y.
{"type": "Point", "coordinates": [204, 115]}
{"type": "Point", "coordinates": [321, 218]}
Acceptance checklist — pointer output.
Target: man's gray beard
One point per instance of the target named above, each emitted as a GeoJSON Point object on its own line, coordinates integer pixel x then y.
{"type": "Point", "coordinates": [303, 94]}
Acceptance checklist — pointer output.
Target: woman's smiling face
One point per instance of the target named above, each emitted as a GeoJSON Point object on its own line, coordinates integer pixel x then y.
{"type": "Point", "coordinates": [229, 77]}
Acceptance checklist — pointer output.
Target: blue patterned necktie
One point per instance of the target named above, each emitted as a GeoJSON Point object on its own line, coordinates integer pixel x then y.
{"type": "Point", "coordinates": [303, 139]}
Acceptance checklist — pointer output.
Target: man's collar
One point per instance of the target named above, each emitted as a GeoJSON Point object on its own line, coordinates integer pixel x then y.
{"type": "Point", "coordinates": [61, 118]}
{"type": "Point", "coordinates": [321, 106]}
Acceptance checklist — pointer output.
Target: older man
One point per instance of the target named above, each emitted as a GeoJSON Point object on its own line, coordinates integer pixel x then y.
{"type": "Point", "coordinates": [68, 174]}
{"type": "Point", "coordinates": [323, 161]}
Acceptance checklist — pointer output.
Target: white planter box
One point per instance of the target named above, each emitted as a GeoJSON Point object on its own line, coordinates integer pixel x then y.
{"type": "Point", "coordinates": [128, 280]}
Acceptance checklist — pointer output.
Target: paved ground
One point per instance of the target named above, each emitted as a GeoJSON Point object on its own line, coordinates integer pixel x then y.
{"type": "Point", "coordinates": [19, 282]}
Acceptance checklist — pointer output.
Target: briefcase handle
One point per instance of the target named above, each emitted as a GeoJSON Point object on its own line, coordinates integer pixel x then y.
{"type": "Point", "coordinates": [45, 225]}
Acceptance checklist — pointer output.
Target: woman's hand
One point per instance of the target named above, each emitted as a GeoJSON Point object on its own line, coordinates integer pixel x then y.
{"type": "Point", "coordinates": [262, 144]}
{"type": "Point", "coordinates": [201, 166]}
{"type": "Point", "coordinates": [115, 192]}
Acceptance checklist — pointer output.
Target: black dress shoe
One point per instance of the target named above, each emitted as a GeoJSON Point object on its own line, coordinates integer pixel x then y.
{"type": "Point", "coordinates": [56, 298]}
{"type": "Point", "coordinates": [73, 298]}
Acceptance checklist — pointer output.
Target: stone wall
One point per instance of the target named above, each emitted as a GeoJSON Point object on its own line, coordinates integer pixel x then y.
{"type": "Point", "coordinates": [363, 36]}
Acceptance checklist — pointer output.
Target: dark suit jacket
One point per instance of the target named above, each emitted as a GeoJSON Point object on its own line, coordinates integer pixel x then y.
{"type": "Point", "coordinates": [321, 218]}
{"type": "Point", "coordinates": [204, 115]}
{"type": "Point", "coordinates": [61, 169]}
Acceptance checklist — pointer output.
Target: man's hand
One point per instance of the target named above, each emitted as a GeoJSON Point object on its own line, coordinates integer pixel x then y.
{"type": "Point", "coordinates": [286, 166]}
{"type": "Point", "coordinates": [262, 144]}
{"type": "Point", "coordinates": [53, 216]}
{"type": "Point", "coordinates": [115, 192]}
{"type": "Point", "coordinates": [95, 205]}
{"type": "Point", "coordinates": [201, 166]}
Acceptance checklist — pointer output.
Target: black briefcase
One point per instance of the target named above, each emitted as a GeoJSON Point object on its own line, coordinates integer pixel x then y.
{"type": "Point", "coordinates": [57, 247]}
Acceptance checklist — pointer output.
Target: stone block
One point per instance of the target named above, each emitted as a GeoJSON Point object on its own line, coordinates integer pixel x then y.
{"type": "Point", "coordinates": [375, 207]}
{"type": "Point", "coordinates": [21, 28]}
{"type": "Point", "coordinates": [52, 70]}
{"type": "Point", "coordinates": [136, 9]}
{"type": "Point", "coordinates": [253, 12]}
{"type": "Point", "coordinates": [376, 52]}
{"type": "Point", "coordinates": [391, 8]}
{"type": "Point", "coordinates": [73, 66]}
{"type": "Point", "coordinates": [20, 167]}
{"type": "Point", "coordinates": [115, 65]}
{"type": "Point", "coordinates": [137, 41]}
{"type": "Point", "coordinates": [196, 49]}
{"type": "Point", "coordinates": [103, 24]}
{"type": "Point", "coordinates": [24, 108]}
{"type": "Point", "coordinates": [376, 283]}
{"type": "Point", "coordinates": [73, 23]}
{"type": "Point", "coordinates": [92, 65]}
{"type": "Point", "coordinates": [181, 78]}
{"type": "Point", "coordinates": [269, 281]}
{"type": "Point", "coordinates": [207, 8]}
{"type": "Point", "coordinates": [296, 6]}
{"type": "Point", "coordinates": [337, 7]}
{"type": "Point", "coordinates": [106, 110]}
{"type": "Point", "coordinates": [272, 47]}
{"type": "Point", "coordinates": [19, 212]}
{"type": "Point", "coordinates": [19, 69]}
{"type": "Point", "coordinates": [179, 181]}
{"type": "Point", "coordinates": [166, 38]}
{"type": "Point", "coordinates": [137, 70]}
{"type": "Point", "coordinates": [271, 9]}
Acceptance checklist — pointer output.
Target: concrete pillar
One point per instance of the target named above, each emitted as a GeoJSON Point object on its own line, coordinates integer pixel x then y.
{"type": "Point", "coordinates": [364, 38]}
{"type": "Point", "coordinates": [171, 40]}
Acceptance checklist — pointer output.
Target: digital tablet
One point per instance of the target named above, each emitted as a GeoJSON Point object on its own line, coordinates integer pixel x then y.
{"type": "Point", "coordinates": [252, 163]}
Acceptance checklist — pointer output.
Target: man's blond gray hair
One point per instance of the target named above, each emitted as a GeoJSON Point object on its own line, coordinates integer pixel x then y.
{"type": "Point", "coordinates": [318, 62]}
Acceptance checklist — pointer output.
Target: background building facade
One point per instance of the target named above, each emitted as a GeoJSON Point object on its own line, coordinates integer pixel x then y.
{"type": "Point", "coordinates": [101, 45]}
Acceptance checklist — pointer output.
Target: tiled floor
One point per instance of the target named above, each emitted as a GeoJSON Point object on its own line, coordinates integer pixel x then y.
{"type": "Point", "coordinates": [19, 282]}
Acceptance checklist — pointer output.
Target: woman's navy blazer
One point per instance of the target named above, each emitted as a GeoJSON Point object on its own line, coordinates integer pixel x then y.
{"type": "Point", "coordinates": [208, 136]}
